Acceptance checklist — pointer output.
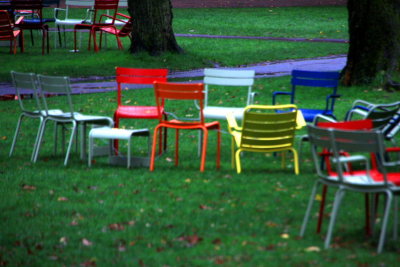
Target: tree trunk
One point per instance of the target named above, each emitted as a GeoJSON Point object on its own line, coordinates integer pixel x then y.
{"type": "Point", "coordinates": [152, 27]}
{"type": "Point", "coordinates": [374, 28]}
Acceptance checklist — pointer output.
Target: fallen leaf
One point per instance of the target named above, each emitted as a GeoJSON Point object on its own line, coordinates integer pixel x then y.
{"type": "Point", "coordinates": [285, 236]}
{"type": "Point", "coordinates": [64, 240]}
{"type": "Point", "coordinates": [204, 207]}
{"type": "Point", "coordinates": [28, 187]}
{"type": "Point", "coordinates": [62, 199]}
{"type": "Point", "coordinates": [313, 249]}
{"type": "Point", "coordinates": [191, 240]}
{"type": "Point", "coordinates": [86, 242]}
{"type": "Point", "coordinates": [116, 227]}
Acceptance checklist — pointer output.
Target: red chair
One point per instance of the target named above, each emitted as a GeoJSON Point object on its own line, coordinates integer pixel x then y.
{"type": "Point", "coordinates": [125, 31]}
{"type": "Point", "coordinates": [131, 76]}
{"type": "Point", "coordinates": [183, 91]}
{"type": "Point", "coordinates": [99, 7]}
{"type": "Point", "coordinates": [37, 22]}
{"type": "Point", "coordinates": [9, 31]}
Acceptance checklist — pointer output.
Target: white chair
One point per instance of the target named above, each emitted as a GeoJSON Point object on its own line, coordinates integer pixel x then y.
{"type": "Point", "coordinates": [63, 18]}
{"type": "Point", "coordinates": [228, 81]}
{"type": "Point", "coordinates": [59, 89]}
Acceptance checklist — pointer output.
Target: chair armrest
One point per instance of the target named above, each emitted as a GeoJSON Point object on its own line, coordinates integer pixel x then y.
{"type": "Point", "coordinates": [117, 19]}
{"type": "Point", "coordinates": [275, 94]}
{"type": "Point", "coordinates": [19, 20]}
{"type": "Point", "coordinates": [232, 124]}
{"type": "Point", "coordinates": [251, 97]}
{"type": "Point", "coordinates": [319, 117]}
{"type": "Point", "coordinates": [329, 101]}
{"type": "Point", "coordinates": [57, 10]}
{"type": "Point", "coordinates": [359, 107]}
{"type": "Point", "coordinates": [355, 158]}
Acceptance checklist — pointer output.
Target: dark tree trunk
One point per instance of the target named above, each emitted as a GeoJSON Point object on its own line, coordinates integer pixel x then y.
{"type": "Point", "coordinates": [152, 26]}
{"type": "Point", "coordinates": [374, 28]}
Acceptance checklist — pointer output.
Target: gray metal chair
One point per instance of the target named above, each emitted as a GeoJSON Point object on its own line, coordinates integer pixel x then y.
{"type": "Point", "coordinates": [60, 88]}
{"type": "Point", "coordinates": [26, 83]}
{"type": "Point", "coordinates": [365, 180]}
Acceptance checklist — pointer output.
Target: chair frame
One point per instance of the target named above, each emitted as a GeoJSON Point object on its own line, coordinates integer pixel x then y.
{"type": "Point", "coordinates": [258, 132]}
{"type": "Point", "coordinates": [321, 79]}
{"type": "Point", "coordinates": [181, 91]}
{"type": "Point", "coordinates": [10, 31]}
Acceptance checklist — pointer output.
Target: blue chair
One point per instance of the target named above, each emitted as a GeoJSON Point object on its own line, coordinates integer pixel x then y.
{"type": "Point", "coordinates": [320, 79]}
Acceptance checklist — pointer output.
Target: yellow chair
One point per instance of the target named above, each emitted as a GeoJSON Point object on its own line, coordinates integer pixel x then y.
{"type": "Point", "coordinates": [265, 129]}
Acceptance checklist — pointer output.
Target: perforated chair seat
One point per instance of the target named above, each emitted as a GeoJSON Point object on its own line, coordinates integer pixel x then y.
{"type": "Point", "coordinates": [220, 113]}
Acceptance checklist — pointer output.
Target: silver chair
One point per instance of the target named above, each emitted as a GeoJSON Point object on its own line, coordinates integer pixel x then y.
{"type": "Point", "coordinates": [26, 83]}
{"type": "Point", "coordinates": [60, 88]}
{"type": "Point", "coordinates": [365, 180]}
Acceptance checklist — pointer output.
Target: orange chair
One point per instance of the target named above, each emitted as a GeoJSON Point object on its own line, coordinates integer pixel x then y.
{"type": "Point", "coordinates": [9, 33]}
{"type": "Point", "coordinates": [181, 91]}
{"type": "Point", "coordinates": [125, 31]}
{"type": "Point", "coordinates": [126, 76]}
{"type": "Point", "coordinates": [99, 7]}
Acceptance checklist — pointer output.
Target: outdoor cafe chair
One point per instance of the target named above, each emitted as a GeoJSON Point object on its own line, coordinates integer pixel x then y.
{"type": "Point", "coordinates": [264, 130]}
{"type": "Point", "coordinates": [10, 31]}
{"type": "Point", "coordinates": [100, 6]}
{"type": "Point", "coordinates": [140, 79]}
{"type": "Point", "coordinates": [362, 178]}
{"type": "Point", "coordinates": [124, 31]}
{"type": "Point", "coordinates": [35, 21]}
{"type": "Point", "coordinates": [315, 85]}
{"type": "Point", "coordinates": [26, 83]}
{"type": "Point", "coordinates": [178, 92]}
{"type": "Point", "coordinates": [58, 88]}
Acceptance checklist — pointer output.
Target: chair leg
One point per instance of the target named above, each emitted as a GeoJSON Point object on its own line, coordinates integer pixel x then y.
{"type": "Point", "coordinates": [71, 140]}
{"type": "Point", "coordinates": [322, 208]}
{"type": "Point", "coordinates": [176, 147]}
{"type": "Point", "coordinates": [218, 147]}
{"type": "Point", "coordinates": [396, 218]}
{"type": "Point", "coordinates": [154, 147]}
{"type": "Point", "coordinates": [39, 142]}
{"type": "Point", "coordinates": [338, 199]}
{"type": "Point", "coordinates": [233, 152]}
{"type": "Point", "coordinates": [75, 40]}
{"type": "Point", "coordinates": [309, 208]}
{"type": "Point", "coordinates": [204, 150]}
{"type": "Point", "coordinates": [37, 138]}
{"type": "Point", "coordinates": [385, 221]}
{"type": "Point", "coordinates": [296, 161]}
{"type": "Point", "coordinates": [237, 157]}
{"type": "Point", "coordinates": [16, 135]}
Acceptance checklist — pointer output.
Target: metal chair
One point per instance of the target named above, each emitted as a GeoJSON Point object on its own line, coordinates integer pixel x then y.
{"type": "Point", "coordinates": [326, 80]}
{"type": "Point", "coordinates": [99, 7]}
{"type": "Point", "coordinates": [125, 31]}
{"type": "Point", "coordinates": [264, 130]}
{"type": "Point", "coordinates": [364, 179]}
{"type": "Point", "coordinates": [10, 31]}
{"type": "Point", "coordinates": [181, 92]}
{"type": "Point", "coordinates": [59, 87]}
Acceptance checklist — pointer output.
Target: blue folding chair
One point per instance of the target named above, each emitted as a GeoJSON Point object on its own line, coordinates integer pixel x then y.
{"type": "Point", "coordinates": [320, 79]}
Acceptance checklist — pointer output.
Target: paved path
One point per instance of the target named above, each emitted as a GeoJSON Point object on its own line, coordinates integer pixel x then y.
{"type": "Point", "coordinates": [263, 70]}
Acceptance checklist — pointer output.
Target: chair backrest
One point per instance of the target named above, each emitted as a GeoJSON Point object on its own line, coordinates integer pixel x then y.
{"type": "Point", "coordinates": [323, 79]}
{"type": "Point", "coordinates": [6, 29]}
{"type": "Point", "coordinates": [36, 6]}
{"type": "Point", "coordinates": [138, 76]}
{"type": "Point", "coordinates": [178, 91]}
{"type": "Point", "coordinates": [56, 86]}
{"type": "Point", "coordinates": [235, 78]}
{"type": "Point", "coordinates": [126, 29]}
{"type": "Point", "coordinates": [265, 128]}
{"type": "Point", "coordinates": [26, 81]}
{"type": "Point", "coordinates": [105, 6]}
{"type": "Point", "coordinates": [351, 141]}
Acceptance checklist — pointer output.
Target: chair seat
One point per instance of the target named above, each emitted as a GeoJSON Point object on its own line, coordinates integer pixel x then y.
{"type": "Point", "coordinates": [69, 22]}
{"type": "Point", "coordinates": [309, 114]}
{"type": "Point", "coordinates": [221, 112]}
{"type": "Point", "coordinates": [360, 178]}
{"type": "Point", "coordinates": [139, 112]}
{"type": "Point", "coordinates": [189, 125]}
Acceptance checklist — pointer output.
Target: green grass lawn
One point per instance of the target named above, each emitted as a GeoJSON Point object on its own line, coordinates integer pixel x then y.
{"type": "Point", "coordinates": [53, 215]}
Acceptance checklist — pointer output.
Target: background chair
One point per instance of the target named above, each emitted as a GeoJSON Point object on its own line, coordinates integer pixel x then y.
{"type": "Point", "coordinates": [166, 92]}
{"type": "Point", "coordinates": [126, 77]}
{"type": "Point", "coordinates": [363, 180]}
{"type": "Point", "coordinates": [100, 6]}
{"type": "Point", "coordinates": [327, 81]}
{"type": "Point", "coordinates": [64, 19]}
{"type": "Point", "coordinates": [233, 82]}
{"type": "Point", "coordinates": [34, 23]}
{"type": "Point", "coordinates": [125, 31]}
{"type": "Point", "coordinates": [53, 85]}
{"type": "Point", "coordinates": [10, 31]}
{"type": "Point", "coordinates": [264, 130]}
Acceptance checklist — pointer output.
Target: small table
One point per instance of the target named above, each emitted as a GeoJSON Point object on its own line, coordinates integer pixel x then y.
{"type": "Point", "coordinates": [119, 134]}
